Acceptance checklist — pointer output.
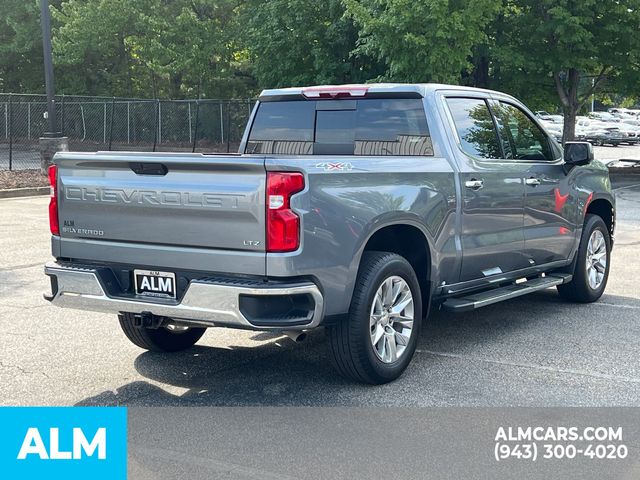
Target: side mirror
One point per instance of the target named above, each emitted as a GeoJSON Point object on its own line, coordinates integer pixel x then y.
{"type": "Point", "coordinates": [578, 153]}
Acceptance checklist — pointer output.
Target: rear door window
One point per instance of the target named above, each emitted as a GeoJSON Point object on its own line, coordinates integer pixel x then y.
{"type": "Point", "coordinates": [475, 127]}
{"type": "Point", "coordinates": [374, 127]}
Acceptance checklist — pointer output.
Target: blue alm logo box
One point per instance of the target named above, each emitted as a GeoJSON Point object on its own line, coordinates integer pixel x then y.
{"type": "Point", "coordinates": [63, 442]}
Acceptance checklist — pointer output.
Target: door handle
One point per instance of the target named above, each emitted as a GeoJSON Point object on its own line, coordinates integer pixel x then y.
{"type": "Point", "coordinates": [533, 181]}
{"type": "Point", "coordinates": [474, 184]}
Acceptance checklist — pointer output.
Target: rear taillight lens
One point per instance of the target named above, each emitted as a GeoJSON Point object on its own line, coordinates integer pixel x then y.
{"type": "Point", "coordinates": [54, 225]}
{"type": "Point", "coordinates": [283, 225]}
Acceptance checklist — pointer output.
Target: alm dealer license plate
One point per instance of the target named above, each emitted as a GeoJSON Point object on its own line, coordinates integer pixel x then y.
{"type": "Point", "coordinates": [157, 284]}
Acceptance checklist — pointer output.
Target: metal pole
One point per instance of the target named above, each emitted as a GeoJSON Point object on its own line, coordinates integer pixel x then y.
{"type": "Point", "coordinates": [155, 127]}
{"type": "Point", "coordinates": [128, 126]}
{"type": "Point", "coordinates": [221, 125]}
{"type": "Point", "coordinates": [45, 17]}
{"type": "Point", "coordinates": [10, 132]}
{"type": "Point", "coordinates": [159, 122]}
{"type": "Point", "coordinates": [62, 115]}
{"type": "Point", "coordinates": [113, 105]}
{"type": "Point", "coordinates": [189, 105]}
{"type": "Point", "coordinates": [228, 126]}
{"type": "Point", "coordinates": [29, 120]}
{"type": "Point", "coordinates": [104, 122]}
{"type": "Point", "coordinates": [195, 133]}
{"type": "Point", "coordinates": [84, 124]}
{"type": "Point", "coordinates": [6, 121]}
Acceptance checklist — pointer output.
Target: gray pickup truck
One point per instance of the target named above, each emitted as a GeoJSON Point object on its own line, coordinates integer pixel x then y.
{"type": "Point", "coordinates": [353, 207]}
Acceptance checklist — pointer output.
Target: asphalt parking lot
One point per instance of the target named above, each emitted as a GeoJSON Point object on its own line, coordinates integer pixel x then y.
{"type": "Point", "coordinates": [533, 351]}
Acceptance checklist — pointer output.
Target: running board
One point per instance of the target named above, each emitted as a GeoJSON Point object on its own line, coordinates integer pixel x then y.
{"type": "Point", "coordinates": [488, 297]}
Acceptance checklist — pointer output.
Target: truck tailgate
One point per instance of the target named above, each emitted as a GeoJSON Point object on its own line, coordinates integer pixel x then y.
{"type": "Point", "coordinates": [163, 199]}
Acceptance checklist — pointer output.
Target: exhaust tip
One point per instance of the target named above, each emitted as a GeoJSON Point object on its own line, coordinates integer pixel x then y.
{"type": "Point", "coordinates": [297, 336]}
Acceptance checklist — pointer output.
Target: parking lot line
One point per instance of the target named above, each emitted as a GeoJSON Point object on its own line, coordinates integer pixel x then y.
{"type": "Point", "coordinates": [605, 304]}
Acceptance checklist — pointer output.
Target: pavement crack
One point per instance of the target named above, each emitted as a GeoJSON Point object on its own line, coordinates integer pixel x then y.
{"type": "Point", "coordinates": [567, 371]}
{"type": "Point", "coordinates": [17, 367]}
{"type": "Point", "coordinates": [22, 370]}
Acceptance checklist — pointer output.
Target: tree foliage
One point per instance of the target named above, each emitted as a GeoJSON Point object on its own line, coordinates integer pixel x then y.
{"type": "Point", "coordinates": [300, 42]}
{"type": "Point", "coordinates": [20, 46]}
{"type": "Point", "coordinates": [422, 40]}
{"type": "Point", "coordinates": [151, 47]}
{"type": "Point", "coordinates": [550, 53]}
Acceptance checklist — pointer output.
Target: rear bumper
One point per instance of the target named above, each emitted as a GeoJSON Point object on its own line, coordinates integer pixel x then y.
{"type": "Point", "coordinates": [207, 302]}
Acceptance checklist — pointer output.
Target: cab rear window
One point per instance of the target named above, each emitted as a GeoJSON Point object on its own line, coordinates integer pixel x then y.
{"type": "Point", "coordinates": [341, 127]}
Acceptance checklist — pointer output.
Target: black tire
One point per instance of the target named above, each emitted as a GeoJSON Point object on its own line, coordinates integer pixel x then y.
{"type": "Point", "coordinates": [159, 339]}
{"type": "Point", "coordinates": [579, 290]}
{"type": "Point", "coordinates": [350, 346]}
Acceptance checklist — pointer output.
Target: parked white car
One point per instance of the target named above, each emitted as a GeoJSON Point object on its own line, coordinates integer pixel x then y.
{"type": "Point", "coordinates": [598, 132]}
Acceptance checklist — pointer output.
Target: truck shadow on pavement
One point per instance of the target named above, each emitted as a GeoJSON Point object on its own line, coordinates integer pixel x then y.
{"type": "Point", "coordinates": [282, 372]}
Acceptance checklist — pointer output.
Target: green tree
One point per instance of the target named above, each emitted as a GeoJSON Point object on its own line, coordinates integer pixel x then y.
{"type": "Point", "coordinates": [303, 42]}
{"type": "Point", "coordinates": [169, 48]}
{"type": "Point", "coordinates": [575, 48]}
{"type": "Point", "coordinates": [91, 50]}
{"type": "Point", "coordinates": [422, 40]}
{"type": "Point", "coordinates": [195, 43]}
{"type": "Point", "coordinates": [21, 47]}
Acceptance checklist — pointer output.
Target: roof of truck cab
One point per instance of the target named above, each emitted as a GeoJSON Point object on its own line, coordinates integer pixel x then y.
{"type": "Point", "coordinates": [378, 88]}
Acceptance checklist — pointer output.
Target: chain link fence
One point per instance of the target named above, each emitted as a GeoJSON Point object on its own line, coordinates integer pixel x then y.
{"type": "Point", "coordinates": [105, 123]}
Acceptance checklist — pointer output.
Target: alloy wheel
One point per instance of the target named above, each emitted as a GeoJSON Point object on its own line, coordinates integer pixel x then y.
{"type": "Point", "coordinates": [391, 319]}
{"type": "Point", "coordinates": [596, 263]}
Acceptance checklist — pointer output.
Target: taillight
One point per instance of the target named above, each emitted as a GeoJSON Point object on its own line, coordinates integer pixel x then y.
{"type": "Point", "coordinates": [54, 225]}
{"type": "Point", "coordinates": [283, 225]}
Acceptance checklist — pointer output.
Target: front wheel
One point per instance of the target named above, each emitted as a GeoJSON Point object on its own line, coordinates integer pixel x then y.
{"type": "Point", "coordinates": [169, 338]}
{"type": "Point", "coordinates": [376, 342]}
{"type": "Point", "coordinates": [592, 265]}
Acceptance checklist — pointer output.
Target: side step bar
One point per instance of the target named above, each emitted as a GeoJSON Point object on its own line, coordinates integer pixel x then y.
{"type": "Point", "coordinates": [488, 297]}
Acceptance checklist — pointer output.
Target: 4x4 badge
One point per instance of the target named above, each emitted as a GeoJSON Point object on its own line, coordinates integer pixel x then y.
{"type": "Point", "coordinates": [335, 166]}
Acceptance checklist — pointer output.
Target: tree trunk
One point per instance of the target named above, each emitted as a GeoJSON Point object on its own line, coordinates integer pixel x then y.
{"type": "Point", "coordinates": [478, 76]}
{"type": "Point", "coordinates": [481, 73]}
{"type": "Point", "coordinates": [568, 93]}
{"type": "Point", "coordinates": [176, 86]}
{"type": "Point", "coordinates": [569, 131]}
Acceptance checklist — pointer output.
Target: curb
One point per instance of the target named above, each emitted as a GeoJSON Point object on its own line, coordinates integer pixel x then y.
{"type": "Point", "coordinates": [24, 192]}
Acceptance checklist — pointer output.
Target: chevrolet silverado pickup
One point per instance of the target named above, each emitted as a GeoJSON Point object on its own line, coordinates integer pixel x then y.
{"type": "Point", "coordinates": [354, 208]}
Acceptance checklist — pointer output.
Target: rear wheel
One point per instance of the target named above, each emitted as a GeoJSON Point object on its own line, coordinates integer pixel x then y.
{"type": "Point", "coordinates": [592, 265]}
{"type": "Point", "coordinates": [377, 340]}
{"type": "Point", "coordinates": [169, 338]}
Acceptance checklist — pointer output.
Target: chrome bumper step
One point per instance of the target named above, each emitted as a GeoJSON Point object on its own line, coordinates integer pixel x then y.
{"type": "Point", "coordinates": [206, 302]}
